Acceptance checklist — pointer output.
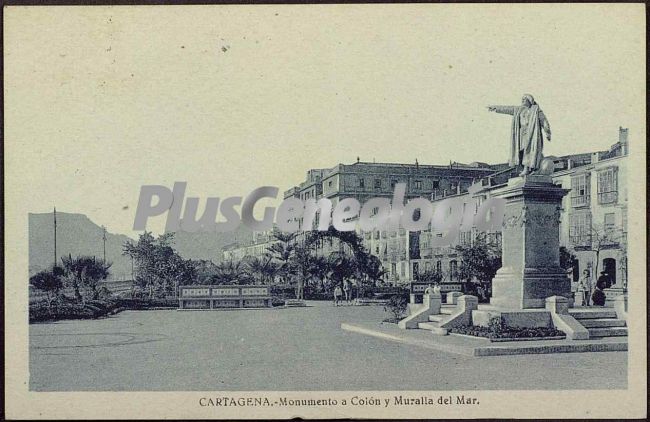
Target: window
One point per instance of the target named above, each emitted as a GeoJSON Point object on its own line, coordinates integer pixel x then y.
{"type": "Point", "coordinates": [608, 186]}
{"type": "Point", "coordinates": [362, 183]}
{"type": "Point", "coordinates": [403, 269]}
{"type": "Point", "coordinates": [439, 266]}
{"type": "Point", "coordinates": [453, 269]}
{"type": "Point", "coordinates": [377, 183]}
{"type": "Point", "coordinates": [580, 229]}
{"type": "Point", "coordinates": [465, 237]}
{"type": "Point", "coordinates": [418, 184]}
{"type": "Point", "coordinates": [435, 184]}
{"type": "Point", "coordinates": [609, 224]}
{"type": "Point", "coordinates": [329, 184]}
{"type": "Point", "coordinates": [580, 190]}
{"type": "Point", "coordinates": [393, 183]}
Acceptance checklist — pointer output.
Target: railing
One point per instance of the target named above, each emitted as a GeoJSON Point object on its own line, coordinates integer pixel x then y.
{"type": "Point", "coordinates": [580, 201]}
{"type": "Point", "coordinates": [580, 239]}
{"type": "Point", "coordinates": [607, 197]}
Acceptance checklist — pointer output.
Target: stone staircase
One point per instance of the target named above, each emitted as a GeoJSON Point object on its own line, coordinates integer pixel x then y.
{"type": "Point", "coordinates": [600, 322]}
{"type": "Point", "coordinates": [435, 320]}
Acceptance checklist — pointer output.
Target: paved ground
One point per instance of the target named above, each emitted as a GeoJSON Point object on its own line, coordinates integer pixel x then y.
{"type": "Point", "coordinates": [281, 349]}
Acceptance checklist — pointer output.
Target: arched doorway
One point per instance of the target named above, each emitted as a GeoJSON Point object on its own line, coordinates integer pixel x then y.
{"type": "Point", "coordinates": [609, 267]}
{"type": "Point", "coordinates": [575, 271]}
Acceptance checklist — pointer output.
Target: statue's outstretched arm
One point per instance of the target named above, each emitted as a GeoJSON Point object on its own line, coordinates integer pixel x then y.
{"type": "Point", "coordinates": [503, 109]}
{"type": "Point", "coordinates": [545, 125]}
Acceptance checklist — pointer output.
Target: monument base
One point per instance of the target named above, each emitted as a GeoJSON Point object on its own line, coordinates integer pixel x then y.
{"type": "Point", "coordinates": [529, 288]}
{"type": "Point", "coordinates": [530, 245]}
{"type": "Point", "coordinates": [525, 318]}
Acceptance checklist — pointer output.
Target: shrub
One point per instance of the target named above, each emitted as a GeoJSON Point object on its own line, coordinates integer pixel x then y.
{"type": "Point", "coordinates": [276, 301]}
{"type": "Point", "coordinates": [396, 306]}
{"type": "Point", "coordinates": [496, 330]}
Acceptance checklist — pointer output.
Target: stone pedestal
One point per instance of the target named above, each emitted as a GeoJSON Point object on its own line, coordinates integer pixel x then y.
{"type": "Point", "coordinates": [612, 293]}
{"type": "Point", "coordinates": [433, 302]}
{"type": "Point", "coordinates": [530, 269]}
{"type": "Point", "coordinates": [452, 297]}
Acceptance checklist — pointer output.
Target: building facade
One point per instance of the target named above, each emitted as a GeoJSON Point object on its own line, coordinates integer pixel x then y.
{"type": "Point", "coordinates": [593, 217]}
{"type": "Point", "coordinates": [594, 213]}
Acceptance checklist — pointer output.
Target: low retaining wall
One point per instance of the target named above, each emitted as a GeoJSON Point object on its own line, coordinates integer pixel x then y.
{"type": "Point", "coordinates": [224, 297]}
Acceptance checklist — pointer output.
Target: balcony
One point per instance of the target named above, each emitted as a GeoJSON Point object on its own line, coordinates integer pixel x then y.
{"type": "Point", "coordinates": [608, 197]}
{"type": "Point", "coordinates": [580, 201]}
{"type": "Point", "coordinates": [583, 240]}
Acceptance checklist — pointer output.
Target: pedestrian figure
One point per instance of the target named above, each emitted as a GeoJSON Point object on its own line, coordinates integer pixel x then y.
{"type": "Point", "coordinates": [337, 295]}
{"type": "Point", "coordinates": [436, 289]}
{"type": "Point", "coordinates": [346, 290]}
{"type": "Point", "coordinates": [598, 297]}
{"type": "Point", "coordinates": [603, 281]}
{"type": "Point", "coordinates": [584, 287]}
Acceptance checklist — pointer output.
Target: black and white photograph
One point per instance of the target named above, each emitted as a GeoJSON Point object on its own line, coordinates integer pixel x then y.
{"type": "Point", "coordinates": [325, 211]}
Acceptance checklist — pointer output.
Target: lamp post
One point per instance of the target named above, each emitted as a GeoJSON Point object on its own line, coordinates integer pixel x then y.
{"type": "Point", "coordinates": [104, 240]}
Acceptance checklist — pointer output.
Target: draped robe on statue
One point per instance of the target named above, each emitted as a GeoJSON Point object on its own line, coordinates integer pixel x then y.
{"type": "Point", "coordinates": [526, 139]}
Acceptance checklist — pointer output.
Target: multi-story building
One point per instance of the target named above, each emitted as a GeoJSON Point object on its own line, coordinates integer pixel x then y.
{"type": "Point", "coordinates": [256, 246]}
{"type": "Point", "coordinates": [363, 180]}
{"type": "Point", "coordinates": [593, 216]}
{"type": "Point", "coordinates": [593, 226]}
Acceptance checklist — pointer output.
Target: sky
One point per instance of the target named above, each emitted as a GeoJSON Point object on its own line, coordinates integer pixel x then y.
{"type": "Point", "coordinates": [102, 100]}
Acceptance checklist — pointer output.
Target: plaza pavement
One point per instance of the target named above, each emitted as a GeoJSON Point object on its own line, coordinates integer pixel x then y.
{"type": "Point", "coordinates": [282, 349]}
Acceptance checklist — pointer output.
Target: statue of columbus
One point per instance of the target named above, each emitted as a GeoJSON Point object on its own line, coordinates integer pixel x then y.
{"type": "Point", "coordinates": [526, 141]}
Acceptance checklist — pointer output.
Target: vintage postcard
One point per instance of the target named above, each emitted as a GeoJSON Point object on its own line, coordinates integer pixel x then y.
{"type": "Point", "coordinates": [325, 211]}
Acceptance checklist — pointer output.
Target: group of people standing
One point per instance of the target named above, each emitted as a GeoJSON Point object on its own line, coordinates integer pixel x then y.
{"type": "Point", "coordinates": [344, 294]}
{"type": "Point", "coordinates": [590, 294]}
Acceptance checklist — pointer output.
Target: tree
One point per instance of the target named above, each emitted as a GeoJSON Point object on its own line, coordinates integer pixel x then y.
{"type": "Point", "coordinates": [231, 272]}
{"type": "Point", "coordinates": [282, 251]}
{"type": "Point", "coordinates": [306, 266]}
{"type": "Point", "coordinates": [341, 267]}
{"type": "Point", "coordinates": [431, 276]}
{"type": "Point", "coordinates": [49, 281]}
{"type": "Point", "coordinates": [204, 271]}
{"type": "Point", "coordinates": [622, 261]}
{"type": "Point", "coordinates": [603, 238]}
{"type": "Point", "coordinates": [479, 261]}
{"type": "Point", "coordinates": [160, 268]}
{"type": "Point", "coordinates": [368, 271]}
{"type": "Point", "coordinates": [360, 263]}
{"type": "Point", "coordinates": [263, 268]}
{"type": "Point", "coordinates": [85, 272]}
{"type": "Point", "coordinates": [567, 259]}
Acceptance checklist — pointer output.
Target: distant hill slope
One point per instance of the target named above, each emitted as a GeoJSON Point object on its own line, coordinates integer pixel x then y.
{"type": "Point", "coordinates": [208, 246]}
{"type": "Point", "coordinates": [78, 235]}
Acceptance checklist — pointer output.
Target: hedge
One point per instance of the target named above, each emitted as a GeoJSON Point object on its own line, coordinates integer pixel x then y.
{"type": "Point", "coordinates": [66, 309]}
